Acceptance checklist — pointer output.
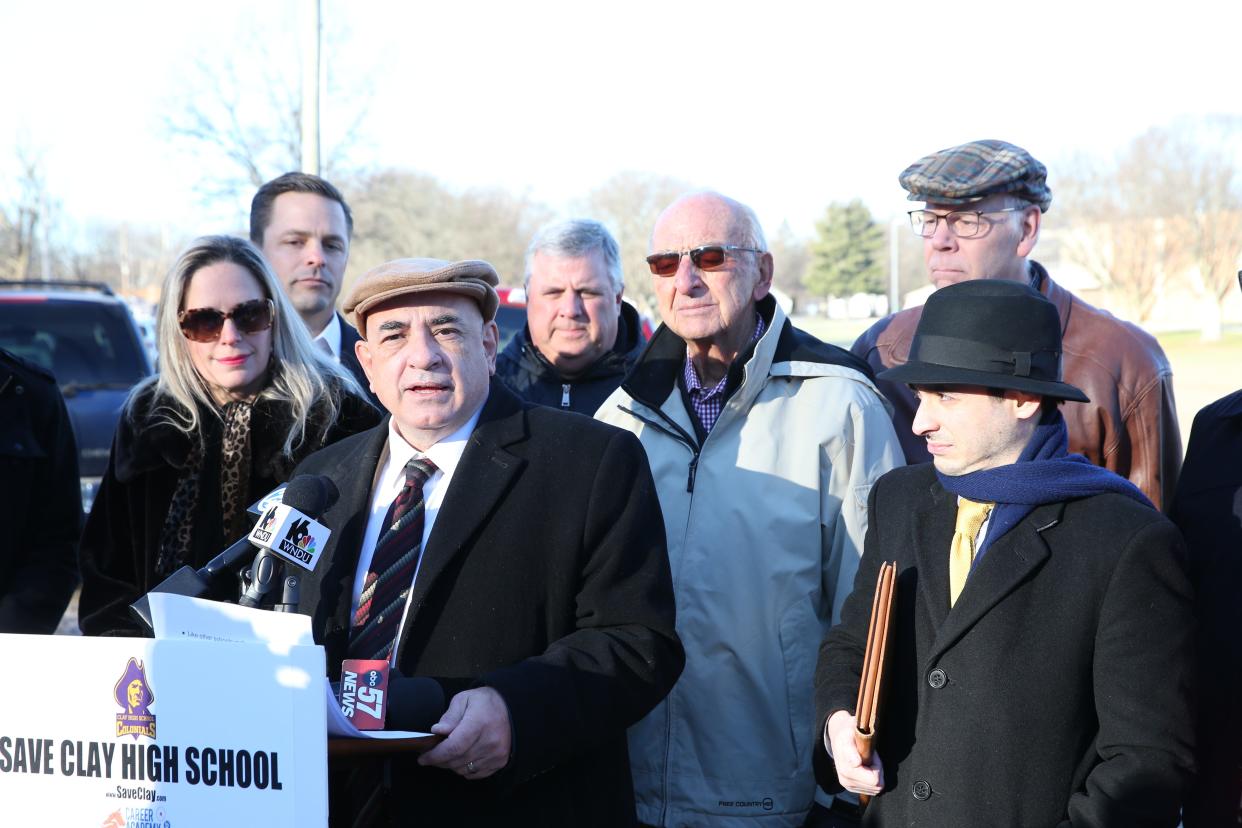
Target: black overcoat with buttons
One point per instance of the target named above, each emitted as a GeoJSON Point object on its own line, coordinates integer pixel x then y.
{"type": "Point", "coordinates": [1056, 691]}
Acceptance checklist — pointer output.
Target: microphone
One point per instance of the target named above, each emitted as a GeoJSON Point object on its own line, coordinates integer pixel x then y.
{"type": "Point", "coordinates": [288, 533]}
{"type": "Point", "coordinates": [375, 696]}
{"type": "Point", "coordinates": [207, 581]}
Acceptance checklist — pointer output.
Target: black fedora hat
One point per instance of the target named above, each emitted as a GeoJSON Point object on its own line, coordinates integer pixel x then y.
{"type": "Point", "coordinates": [990, 333]}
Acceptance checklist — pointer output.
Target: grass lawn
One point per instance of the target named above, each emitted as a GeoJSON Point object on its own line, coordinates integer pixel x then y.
{"type": "Point", "coordinates": [1202, 371]}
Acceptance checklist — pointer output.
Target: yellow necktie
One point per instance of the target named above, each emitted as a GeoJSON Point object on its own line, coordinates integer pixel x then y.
{"type": "Point", "coordinates": [970, 516]}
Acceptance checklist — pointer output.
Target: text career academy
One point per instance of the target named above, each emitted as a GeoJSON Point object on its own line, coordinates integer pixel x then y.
{"type": "Point", "coordinates": [213, 767]}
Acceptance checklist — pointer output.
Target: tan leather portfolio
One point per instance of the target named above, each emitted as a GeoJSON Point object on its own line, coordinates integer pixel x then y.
{"type": "Point", "coordinates": [874, 658]}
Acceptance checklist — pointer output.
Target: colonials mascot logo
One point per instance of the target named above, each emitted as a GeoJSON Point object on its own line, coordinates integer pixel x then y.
{"type": "Point", "coordinates": [134, 694]}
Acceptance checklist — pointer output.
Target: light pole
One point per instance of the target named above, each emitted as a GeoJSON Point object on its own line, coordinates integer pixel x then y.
{"type": "Point", "coordinates": [894, 268]}
{"type": "Point", "coordinates": [312, 81]}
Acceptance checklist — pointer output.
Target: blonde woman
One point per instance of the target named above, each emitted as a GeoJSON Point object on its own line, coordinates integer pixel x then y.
{"type": "Point", "coordinates": [242, 395]}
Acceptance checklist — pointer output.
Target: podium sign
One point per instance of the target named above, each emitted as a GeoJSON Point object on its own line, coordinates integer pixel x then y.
{"type": "Point", "coordinates": [142, 733]}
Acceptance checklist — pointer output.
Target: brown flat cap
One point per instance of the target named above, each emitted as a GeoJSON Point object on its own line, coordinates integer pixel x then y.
{"type": "Point", "coordinates": [472, 277]}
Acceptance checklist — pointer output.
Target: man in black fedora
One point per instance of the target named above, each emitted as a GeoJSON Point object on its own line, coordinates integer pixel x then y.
{"type": "Point", "coordinates": [1040, 667]}
{"type": "Point", "coordinates": [983, 207]}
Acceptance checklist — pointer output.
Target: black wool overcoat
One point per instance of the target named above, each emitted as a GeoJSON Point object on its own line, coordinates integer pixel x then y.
{"type": "Point", "coordinates": [545, 577]}
{"type": "Point", "coordinates": [1055, 692]}
{"type": "Point", "coordinates": [1208, 510]}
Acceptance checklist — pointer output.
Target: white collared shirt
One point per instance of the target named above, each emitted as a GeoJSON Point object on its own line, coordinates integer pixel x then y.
{"type": "Point", "coordinates": [390, 478]}
{"type": "Point", "coordinates": [331, 336]}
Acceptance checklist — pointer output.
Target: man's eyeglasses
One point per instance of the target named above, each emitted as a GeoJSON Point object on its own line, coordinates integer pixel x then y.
{"type": "Point", "coordinates": [205, 324]}
{"type": "Point", "coordinates": [707, 257]}
{"type": "Point", "coordinates": [965, 224]}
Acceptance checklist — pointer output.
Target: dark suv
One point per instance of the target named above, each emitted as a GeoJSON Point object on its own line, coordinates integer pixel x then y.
{"type": "Point", "coordinates": [84, 335]}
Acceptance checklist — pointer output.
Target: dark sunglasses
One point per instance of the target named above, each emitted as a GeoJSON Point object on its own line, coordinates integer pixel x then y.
{"type": "Point", "coordinates": [707, 257]}
{"type": "Point", "coordinates": [205, 324]}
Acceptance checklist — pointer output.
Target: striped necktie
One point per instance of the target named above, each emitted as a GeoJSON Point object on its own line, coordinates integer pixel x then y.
{"type": "Point", "coordinates": [391, 576]}
{"type": "Point", "coordinates": [970, 518]}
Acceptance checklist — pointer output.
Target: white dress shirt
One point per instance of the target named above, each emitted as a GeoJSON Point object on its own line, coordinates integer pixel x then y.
{"type": "Point", "coordinates": [390, 478]}
{"type": "Point", "coordinates": [331, 337]}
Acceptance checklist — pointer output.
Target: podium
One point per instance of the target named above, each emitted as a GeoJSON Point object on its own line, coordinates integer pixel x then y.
{"type": "Point", "coordinates": [174, 733]}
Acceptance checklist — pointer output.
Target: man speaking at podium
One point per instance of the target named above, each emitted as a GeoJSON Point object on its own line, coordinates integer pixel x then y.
{"type": "Point", "coordinates": [511, 557]}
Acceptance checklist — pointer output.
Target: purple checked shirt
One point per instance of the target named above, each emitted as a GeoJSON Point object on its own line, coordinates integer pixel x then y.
{"type": "Point", "coordinates": [707, 403]}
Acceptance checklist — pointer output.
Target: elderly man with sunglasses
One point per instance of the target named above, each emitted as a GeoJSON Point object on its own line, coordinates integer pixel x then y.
{"type": "Point", "coordinates": [764, 443]}
{"type": "Point", "coordinates": [985, 202]}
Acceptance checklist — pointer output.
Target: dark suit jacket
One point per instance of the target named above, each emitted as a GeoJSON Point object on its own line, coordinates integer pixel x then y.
{"type": "Point", "coordinates": [349, 360]}
{"type": "Point", "coordinates": [1208, 510]}
{"type": "Point", "coordinates": [1056, 690]}
{"type": "Point", "coordinates": [546, 577]}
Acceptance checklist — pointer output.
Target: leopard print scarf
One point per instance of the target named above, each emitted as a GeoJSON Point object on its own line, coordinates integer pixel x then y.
{"type": "Point", "coordinates": [234, 491]}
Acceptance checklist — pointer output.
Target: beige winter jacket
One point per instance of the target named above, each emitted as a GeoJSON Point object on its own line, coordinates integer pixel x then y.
{"type": "Point", "coordinates": [765, 522]}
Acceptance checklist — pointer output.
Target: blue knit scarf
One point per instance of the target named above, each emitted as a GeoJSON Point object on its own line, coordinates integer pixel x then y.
{"type": "Point", "coordinates": [1045, 473]}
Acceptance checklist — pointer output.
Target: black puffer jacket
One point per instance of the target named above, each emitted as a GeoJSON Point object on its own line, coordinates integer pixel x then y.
{"type": "Point", "coordinates": [529, 375]}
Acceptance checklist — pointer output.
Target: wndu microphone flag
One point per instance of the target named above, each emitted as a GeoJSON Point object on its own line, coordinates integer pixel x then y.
{"type": "Point", "coordinates": [291, 535]}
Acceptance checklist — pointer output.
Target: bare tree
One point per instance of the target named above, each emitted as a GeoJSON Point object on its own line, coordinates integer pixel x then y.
{"type": "Point", "coordinates": [399, 213]}
{"type": "Point", "coordinates": [28, 223]}
{"type": "Point", "coordinates": [240, 111]}
{"type": "Point", "coordinates": [629, 204]}
{"type": "Point", "coordinates": [1207, 188]}
{"type": "Point", "coordinates": [1121, 218]}
{"type": "Point", "coordinates": [791, 256]}
{"type": "Point", "coordinates": [131, 258]}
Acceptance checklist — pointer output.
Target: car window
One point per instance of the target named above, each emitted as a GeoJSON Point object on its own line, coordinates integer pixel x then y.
{"type": "Point", "coordinates": [79, 342]}
{"type": "Point", "coordinates": [510, 320]}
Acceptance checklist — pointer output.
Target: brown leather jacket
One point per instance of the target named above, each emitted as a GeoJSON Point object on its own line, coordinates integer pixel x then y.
{"type": "Point", "coordinates": [1130, 425]}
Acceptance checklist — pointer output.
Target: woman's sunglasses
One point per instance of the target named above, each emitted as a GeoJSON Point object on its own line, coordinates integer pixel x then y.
{"type": "Point", "coordinates": [205, 324]}
{"type": "Point", "coordinates": [707, 257]}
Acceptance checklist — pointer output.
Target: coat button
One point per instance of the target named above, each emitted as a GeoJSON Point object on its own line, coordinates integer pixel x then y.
{"type": "Point", "coordinates": [937, 678]}
{"type": "Point", "coordinates": [922, 790]}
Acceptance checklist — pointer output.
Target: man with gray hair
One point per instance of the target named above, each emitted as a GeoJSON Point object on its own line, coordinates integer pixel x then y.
{"type": "Point", "coordinates": [764, 443]}
{"type": "Point", "coordinates": [580, 339]}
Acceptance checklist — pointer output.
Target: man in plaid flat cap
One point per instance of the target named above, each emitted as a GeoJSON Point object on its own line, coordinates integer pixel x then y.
{"type": "Point", "coordinates": [983, 206]}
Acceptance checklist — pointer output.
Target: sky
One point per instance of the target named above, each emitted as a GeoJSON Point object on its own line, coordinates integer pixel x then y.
{"type": "Point", "coordinates": [787, 106]}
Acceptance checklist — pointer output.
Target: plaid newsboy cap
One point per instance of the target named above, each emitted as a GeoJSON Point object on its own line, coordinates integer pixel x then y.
{"type": "Point", "coordinates": [970, 172]}
{"type": "Point", "coordinates": [472, 277]}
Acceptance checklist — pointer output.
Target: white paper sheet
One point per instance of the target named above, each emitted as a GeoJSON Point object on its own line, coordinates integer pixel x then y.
{"type": "Point", "coordinates": [179, 617]}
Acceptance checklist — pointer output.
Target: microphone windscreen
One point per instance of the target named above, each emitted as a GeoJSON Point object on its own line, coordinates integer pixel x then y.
{"type": "Point", "coordinates": [414, 703]}
{"type": "Point", "coordinates": [310, 494]}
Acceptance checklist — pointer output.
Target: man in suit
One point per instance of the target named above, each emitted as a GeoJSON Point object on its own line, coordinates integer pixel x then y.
{"type": "Point", "coordinates": [1041, 663]}
{"type": "Point", "coordinates": [303, 226]}
{"type": "Point", "coordinates": [508, 559]}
